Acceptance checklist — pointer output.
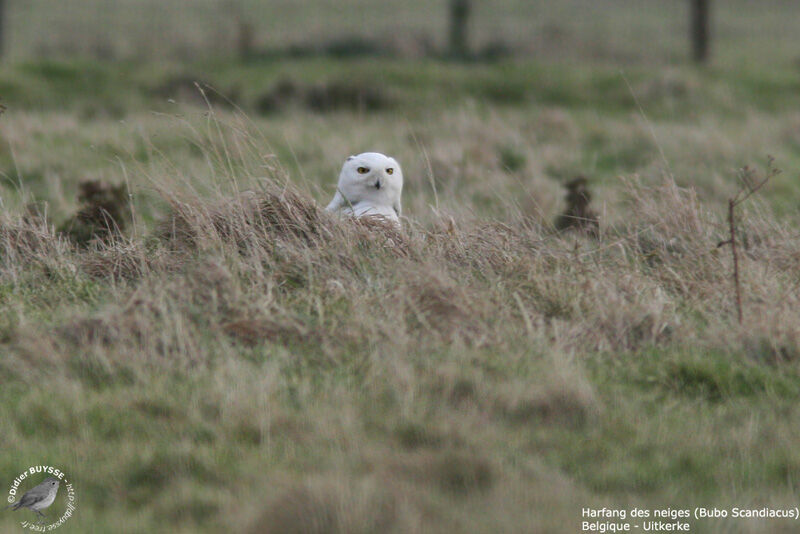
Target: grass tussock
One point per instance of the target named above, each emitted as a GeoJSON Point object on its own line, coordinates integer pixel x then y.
{"type": "Point", "coordinates": [622, 292]}
{"type": "Point", "coordinates": [323, 506]}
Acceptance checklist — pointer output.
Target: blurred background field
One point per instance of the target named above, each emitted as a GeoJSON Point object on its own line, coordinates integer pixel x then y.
{"type": "Point", "coordinates": [629, 31]}
{"type": "Point", "coordinates": [489, 374]}
{"type": "Point", "coordinates": [527, 64]}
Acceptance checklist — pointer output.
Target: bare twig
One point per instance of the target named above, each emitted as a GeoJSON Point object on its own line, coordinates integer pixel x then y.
{"type": "Point", "coordinates": [732, 226]}
{"type": "Point", "coordinates": [750, 185]}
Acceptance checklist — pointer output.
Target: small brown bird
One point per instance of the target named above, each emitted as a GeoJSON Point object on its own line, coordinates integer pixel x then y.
{"type": "Point", "coordinates": [39, 497]}
{"type": "Point", "coordinates": [578, 215]}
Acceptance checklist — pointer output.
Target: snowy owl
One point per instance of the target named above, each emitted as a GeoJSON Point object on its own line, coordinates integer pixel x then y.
{"type": "Point", "coordinates": [369, 185]}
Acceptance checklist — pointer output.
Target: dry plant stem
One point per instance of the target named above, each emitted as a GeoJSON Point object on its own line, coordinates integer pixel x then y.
{"type": "Point", "coordinates": [731, 211]}
{"type": "Point", "coordinates": [746, 191]}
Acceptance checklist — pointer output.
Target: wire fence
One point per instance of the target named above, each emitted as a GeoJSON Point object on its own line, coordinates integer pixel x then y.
{"type": "Point", "coordinates": [626, 30]}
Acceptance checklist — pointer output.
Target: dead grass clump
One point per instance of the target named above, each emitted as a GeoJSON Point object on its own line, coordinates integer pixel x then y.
{"type": "Point", "coordinates": [291, 216]}
{"type": "Point", "coordinates": [669, 209]}
{"type": "Point", "coordinates": [675, 238]}
{"type": "Point", "coordinates": [27, 237]}
{"type": "Point", "coordinates": [284, 236]}
{"type": "Point", "coordinates": [566, 399]}
{"type": "Point", "coordinates": [253, 331]}
{"type": "Point", "coordinates": [414, 435]}
{"type": "Point", "coordinates": [127, 261]}
{"type": "Point", "coordinates": [556, 291]}
{"type": "Point", "coordinates": [462, 473]}
{"type": "Point", "coordinates": [330, 507]}
{"type": "Point", "coordinates": [91, 330]}
{"type": "Point", "coordinates": [250, 220]}
{"type": "Point", "coordinates": [452, 385]}
{"type": "Point", "coordinates": [103, 213]}
{"type": "Point", "coordinates": [677, 244]}
{"type": "Point", "coordinates": [210, 286]}
{"type": "Point", "coordinates": [489, 247]}
{"type": "Point", "coordinates": [127, 327]}
{"type": "Point", "coordinates": [195, 225]}
{"type": "Point", "coordinates": [775, 347]}
{"type": "Point", "coordinates": [627, 313]}
{"type": "Point", "coordinates": [770, 334]}
{"type": "Point", "coordinates": [380, 233]}
{"type": "Point", "coordinates": [456, 471]}
{"type": "Point", "coordinates": [29, 355]}
{"type": "Point", "coordinates": [440, 306]}
{"type": "Point", "coordinates": [156, 321]}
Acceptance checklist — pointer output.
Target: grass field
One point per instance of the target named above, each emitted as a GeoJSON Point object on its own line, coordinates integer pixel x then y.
{"type": "Point", "coordinates": [244, 362]}
{"type": "Point", "coordinates": [613, 31]}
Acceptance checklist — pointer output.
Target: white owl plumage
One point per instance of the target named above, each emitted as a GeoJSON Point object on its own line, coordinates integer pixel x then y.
{"type": "Point", "coordinates": [370, 184]}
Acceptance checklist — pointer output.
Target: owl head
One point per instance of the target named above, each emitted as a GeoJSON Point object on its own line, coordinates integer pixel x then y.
{"type": "Point", "coordinates": [371, 177]}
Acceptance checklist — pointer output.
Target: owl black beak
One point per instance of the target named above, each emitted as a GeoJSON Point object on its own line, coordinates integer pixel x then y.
{"type": "Point", "coordinates": [378, 184]}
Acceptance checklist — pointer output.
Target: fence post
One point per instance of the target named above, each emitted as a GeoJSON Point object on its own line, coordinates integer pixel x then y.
{"type": "Point", "coordinates": [459, 15]}
{"type": "Point", "coordinates": [700, 33]}
{"type": "Point", "coordinates": [2, 28]}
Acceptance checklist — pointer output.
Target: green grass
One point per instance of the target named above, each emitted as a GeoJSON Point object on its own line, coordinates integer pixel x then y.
{"type": "Point", "coordinates": [481, 373]}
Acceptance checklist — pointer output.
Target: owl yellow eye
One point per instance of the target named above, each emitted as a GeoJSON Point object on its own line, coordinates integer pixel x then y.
{"type": "Point", "coordinates": [389, 171]}
{"type": "Point", "coordinates": [362, 170]}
